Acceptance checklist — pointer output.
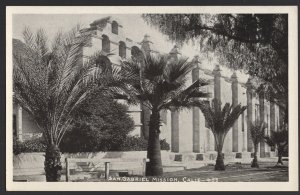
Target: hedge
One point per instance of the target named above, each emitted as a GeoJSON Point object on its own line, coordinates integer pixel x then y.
{"type": "Point", "coordinates": [39, 145]}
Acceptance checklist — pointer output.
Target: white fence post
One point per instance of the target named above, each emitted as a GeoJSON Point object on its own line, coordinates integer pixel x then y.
{"type": "Point", "coordinates": [106, 170]}
{"type": "Point", "coordinates": [67, 170]}
{"type": "Point", "coordinates": [145, 160]}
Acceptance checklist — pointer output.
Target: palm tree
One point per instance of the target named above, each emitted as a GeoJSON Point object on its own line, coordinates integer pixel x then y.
{"type": "Point", "coordinates": [160, 84]}
{"type": "Point", "coordinates": [278, 139]}
{"type": "Point", "coordinates": [220, 121]}
{"type": "Point", "coordinates": [50, 81]}
{"type": "Point", "coordinates": [257, 131]}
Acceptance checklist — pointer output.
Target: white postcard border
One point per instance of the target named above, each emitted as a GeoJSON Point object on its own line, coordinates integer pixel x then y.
{"type": "Point", "coordinates": [293, 183]}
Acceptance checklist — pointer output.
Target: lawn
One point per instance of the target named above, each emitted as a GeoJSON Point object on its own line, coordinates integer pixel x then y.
{"type": "Point", "coordinates": [233, 173]}
{"type": "Point", "coordinates": [236, 173]}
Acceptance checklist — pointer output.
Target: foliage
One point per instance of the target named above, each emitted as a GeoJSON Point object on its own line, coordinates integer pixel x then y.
{"type": "Point", "coordinates": [158, 82]}
{"type": "Point", "coordinates": [219, 119]}
{"type": "Point", "coordinates": [256, 43]}
{"type": "Point", "coordinates": [101, 124]}
{"type": "Point", "coordinates": [279, 139]}
{"type": "Point", "coordinates": [130, 143]}
{"type": "Point", "coordinates": [51, 81]}
{"type": "Point", "coordinates": [257, 132]}
{"type": "Point", "coordinates": [161, 83]}
{"type": "Point", "coordinates": [164, 145]}
{"type": "Point", "coordinates": [134, 143]}
{"type": "Point", "coordinates": [31, 145]}
{"type": "Point", "coordinates": [17, 146]}
{"type": "Point", "coordinates": [140, 144]}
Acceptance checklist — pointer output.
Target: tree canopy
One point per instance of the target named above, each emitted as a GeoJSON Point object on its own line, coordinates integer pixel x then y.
{"type": "Point", "coordinates": [159, 82]}
{"type": "Point", "coordinates": [255, 43]}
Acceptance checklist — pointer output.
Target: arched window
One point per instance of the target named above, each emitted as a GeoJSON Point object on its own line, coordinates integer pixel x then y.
{"type": "Point", "coordinates": [122, 49]}
{"type": "Point", "coordinates": [114, 27]}
{"type": "Point", "coordinates": [105, 43]}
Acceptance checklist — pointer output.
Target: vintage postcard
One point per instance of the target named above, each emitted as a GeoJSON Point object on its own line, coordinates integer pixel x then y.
{"type": "Point", "coordinates": [152, 98]}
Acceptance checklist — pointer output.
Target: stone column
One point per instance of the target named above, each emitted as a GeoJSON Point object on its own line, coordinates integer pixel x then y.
{"type": "Point", "coordinates": [235, 102]}
{"type": "Point", "coordinates": [174, 55]}
{"type": "Point", "coordinates": [244, 148]}
{"type": "Point", "coordinates": [249, 114]}
{"type": "Point", "coordinates": [146, 112]}
{"type": "Point", "coordinates": [19, 117]}
{"type": "Point", "coordinates": [272, 118]}
{"type": "Point", "coordinates": [281, 117]}
{"type": "Point", "coordinates": [196, 112]}
{"type": "Point", "coordinates": [262, 119]}
{"type": "Point", "coordinates": [174, 131]}
{"type": "Point", "coordinates": [146, 44]}
{"type": "Point", "coordinates": [217, 86]}
{"type": "Point", "coordinates": [217, 82]}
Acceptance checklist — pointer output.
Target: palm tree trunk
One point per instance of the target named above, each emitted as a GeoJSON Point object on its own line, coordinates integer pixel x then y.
{"type": "Point", "coordinates": [220, 162]}
{"type": "Point", "coordinates": [280, 151]}
{"type": "Point", "coordinates": [254, 163]}
{"type": "Point", "coordinates": [154, 166]}
{"type": "Point", "coordinates": [220, 158]}
{"type": "Point", "coordinates": [52, 163]}
{"type": "Point", "coordinates": [279, 160]}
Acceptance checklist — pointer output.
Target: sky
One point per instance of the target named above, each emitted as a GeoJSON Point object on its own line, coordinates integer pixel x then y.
{"type": "Point", "coordinates": [133, 25]}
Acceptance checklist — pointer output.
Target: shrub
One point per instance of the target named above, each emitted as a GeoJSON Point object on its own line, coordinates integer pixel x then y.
{"type": "Point", "coordinates": [101, 124]}
{"type": "Point", "coordinates": [134, 144]}
{"type": "Point", "coordinates": [32, 145]}
{"type": "Point", "coordinates": [35, 145]}
{"type": "Point", "coordinates": [140, 144]}
{"type": "Point", "coordinates": [128, 144]}
{"type": "Point", "coordinates": [18, 147]}
{"type": "Point", "coordinates": [164, 145]}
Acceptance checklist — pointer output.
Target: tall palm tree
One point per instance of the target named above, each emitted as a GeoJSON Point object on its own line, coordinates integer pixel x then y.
{"type": "Point", "coordinates": [257, 132]}
{"type": "Point", "coordinates": [220, 121]}
{"type": "Point", "coordinates": [278, 139]}
{"type": "Point", "coordinates": [160, 84]}
{"type": "Point", "coordinates": [50, 81]}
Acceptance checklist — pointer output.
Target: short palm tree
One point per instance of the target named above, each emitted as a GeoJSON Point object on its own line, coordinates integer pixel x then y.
{"type": "Point", "coordinates": [257, 132]}
{"type": "Point", "coordinates": [220, 121]}
{"type": "Point", "coordinates": [50, 81]}
{"type": "Point", "coordinates": [160, 84]}
{"type": "Point", "coordinates": [278, 139]}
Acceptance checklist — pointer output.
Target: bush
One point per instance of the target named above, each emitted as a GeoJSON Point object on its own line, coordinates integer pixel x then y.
{"type": "Point", "coordinates": [164, 145]}
{"type": "Point", "coordinates": [32, 145]}
{"type": "Point", "coordinates": [140, 144]}
{"type": "Point", "coordinates": [18, 147]}
{"type": "Point", "coordinates": [101, 124]}
{"type": "Point", "coordinates": [134, 144]}
{"type": "Point", "coordinates": [35, 145]}
{"type": "Point", "coordinates": [128, 144]}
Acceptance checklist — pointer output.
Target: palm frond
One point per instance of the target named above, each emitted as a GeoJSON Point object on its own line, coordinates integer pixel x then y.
{"type": "Point", "coordinates": [219, 119]}
{"type": "Point", "coordinates": [50, 83]}
{"type": "Point", "coordinates": [257, 132]}
{"type": "Point", "coordinates": [277, 138]}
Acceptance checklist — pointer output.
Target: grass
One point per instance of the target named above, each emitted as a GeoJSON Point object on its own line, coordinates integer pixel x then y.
{"type": "Point", "coordinates": [267, 172]}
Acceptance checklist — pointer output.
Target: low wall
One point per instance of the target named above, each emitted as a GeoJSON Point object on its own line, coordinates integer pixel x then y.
{"type": "Point", "coordinates": [33, 163]}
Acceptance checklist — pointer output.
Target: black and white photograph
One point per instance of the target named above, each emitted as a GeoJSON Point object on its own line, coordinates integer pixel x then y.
{"type": "Point", "coordinates": [126, 98]}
